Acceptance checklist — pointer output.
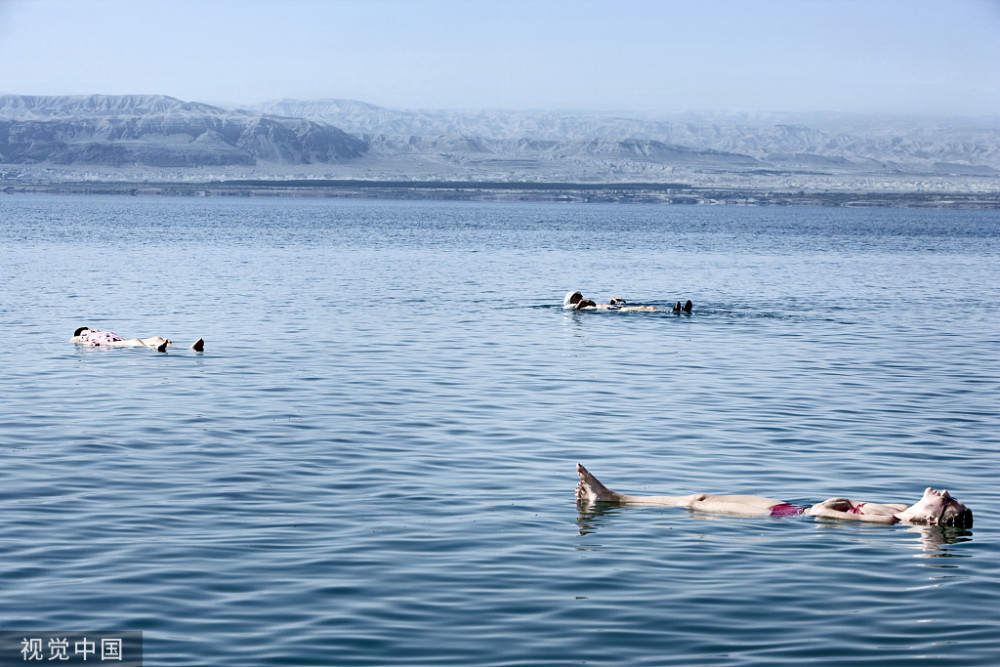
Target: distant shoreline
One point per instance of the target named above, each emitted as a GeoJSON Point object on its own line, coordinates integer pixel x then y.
{"type": "Point", "coordinates": [646, 193]}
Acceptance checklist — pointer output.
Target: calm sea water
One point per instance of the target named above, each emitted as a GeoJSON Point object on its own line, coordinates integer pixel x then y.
{"type": "Point", "coordinates": [372, 463]}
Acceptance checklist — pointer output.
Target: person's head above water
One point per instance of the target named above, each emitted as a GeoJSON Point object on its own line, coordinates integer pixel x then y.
{"type": "Point", "coordinates": [938, 508]}
{"type": "Point", "coordinates": [572, 298]}
{"type": "Point", "coordinates": [575, 301]}
{"type": "Point", "coordinates": [80, 331]}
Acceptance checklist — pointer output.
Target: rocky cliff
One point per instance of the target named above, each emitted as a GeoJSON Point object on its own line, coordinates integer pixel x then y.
{"type": "Point", "coordinates": [159, 131]}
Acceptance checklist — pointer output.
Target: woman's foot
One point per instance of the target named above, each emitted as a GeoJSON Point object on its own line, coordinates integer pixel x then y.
{"type": "Point", "coordinates": [593, 491]}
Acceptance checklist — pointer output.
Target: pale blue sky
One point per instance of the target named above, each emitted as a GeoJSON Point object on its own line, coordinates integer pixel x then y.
{"type": "Point", "coordinates": [898, 56]}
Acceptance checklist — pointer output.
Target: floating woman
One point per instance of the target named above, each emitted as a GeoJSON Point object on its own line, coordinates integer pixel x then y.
{"type": "Point", "coordinates": [935, 508]}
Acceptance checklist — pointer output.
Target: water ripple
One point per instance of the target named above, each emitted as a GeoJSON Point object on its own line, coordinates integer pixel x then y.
{"type": "Point", "coordinates": [372, 461]}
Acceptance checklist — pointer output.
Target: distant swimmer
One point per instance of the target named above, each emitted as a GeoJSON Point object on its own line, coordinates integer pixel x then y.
{"type": "Point", "coordinates": [575, 301]}
{"type": "Point", "coordinates": [97, 338]}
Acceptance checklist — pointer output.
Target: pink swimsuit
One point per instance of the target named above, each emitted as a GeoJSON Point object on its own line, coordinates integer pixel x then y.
{"type": "Point", "coordinates": [786, 509]}
{"type": "Point", "coordinates": [99, 337]}
{"type": "Point", "coordinates": [857, 509]}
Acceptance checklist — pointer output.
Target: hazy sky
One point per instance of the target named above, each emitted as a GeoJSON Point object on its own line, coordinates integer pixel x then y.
{"type": "Point", "coordinates": [908, 56]}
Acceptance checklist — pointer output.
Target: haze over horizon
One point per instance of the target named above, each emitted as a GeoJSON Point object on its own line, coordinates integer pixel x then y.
{"type": "Point", "coordinates": [917, 57]}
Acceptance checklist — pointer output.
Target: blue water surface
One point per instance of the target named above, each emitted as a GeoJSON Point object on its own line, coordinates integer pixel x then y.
{"type": "Point", "coordinates": [372, 462]}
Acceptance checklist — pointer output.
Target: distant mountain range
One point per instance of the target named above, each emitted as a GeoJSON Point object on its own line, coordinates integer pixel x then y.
{"type": "Point", "coordinates": [161, 135]}
{"type": "Point", "coordinates": [810, 138]}
{"type": "Point", "coordinates": [159, 131]}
